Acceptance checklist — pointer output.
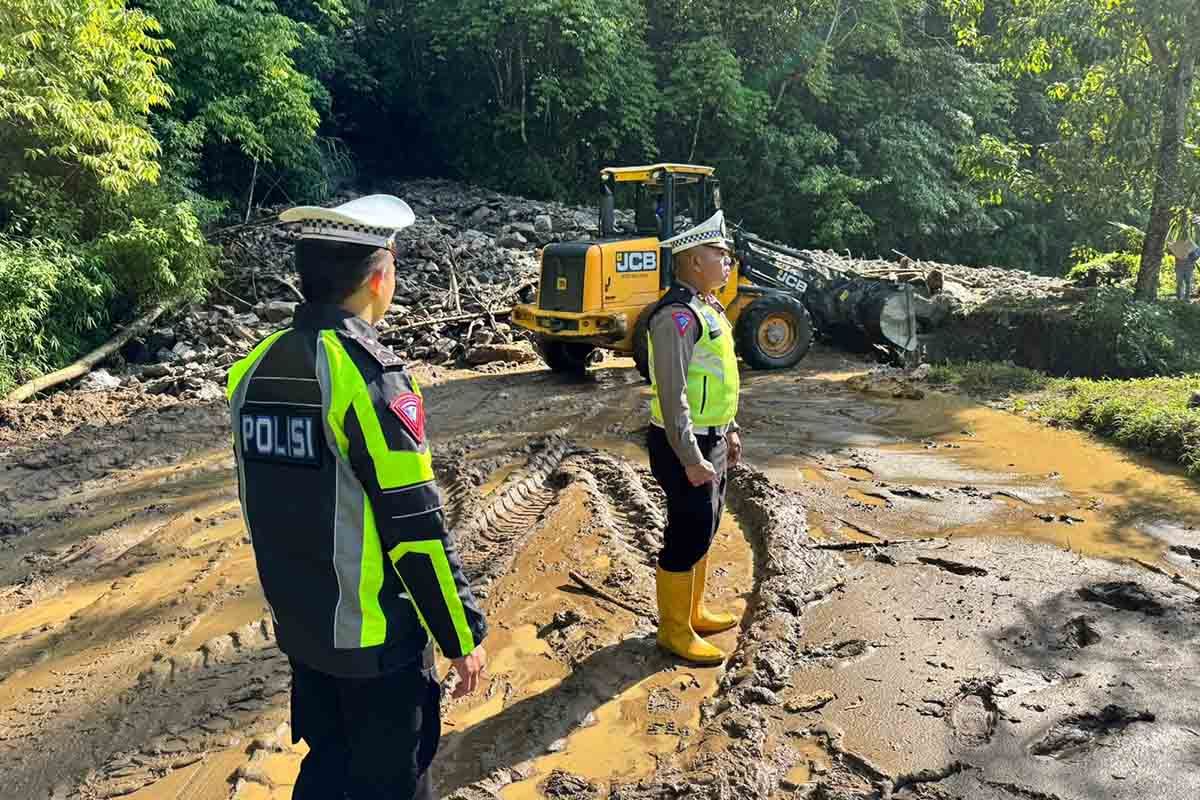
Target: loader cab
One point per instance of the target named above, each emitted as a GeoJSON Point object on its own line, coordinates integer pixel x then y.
{"type": "Point", "coordinates": [662, 197]}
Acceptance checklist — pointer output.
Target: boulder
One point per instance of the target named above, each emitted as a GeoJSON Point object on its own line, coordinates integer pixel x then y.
{"type": "Point", "coordinates": [98, 381]}
{"type": "Point", "coordinates": [278, 311]}
{"type": "Point", "coordinates": [512, 239]}
{"type": "Point", "coordinates": [521, 353]}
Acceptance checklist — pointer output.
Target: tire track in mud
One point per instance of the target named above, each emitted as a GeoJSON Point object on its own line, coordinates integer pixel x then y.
{"type": "Point", "coordinates": [491, 532]}
{"type": "Point", "coordinates": [738, 752]}
{"type": "Point", "coordinates": [606, 497]}
{"type": "Point", "coordinates": [185, 707]}
{"type": "Point", "coordinates": [633, 501]}
{"type": "Point", "coordinates": [76, 716]}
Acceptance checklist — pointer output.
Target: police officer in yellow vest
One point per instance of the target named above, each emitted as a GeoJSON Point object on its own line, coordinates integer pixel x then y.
{"type": "Point", "coordinates": [338, 494]}
{"type": "Point", "coordinates": [693, 437]}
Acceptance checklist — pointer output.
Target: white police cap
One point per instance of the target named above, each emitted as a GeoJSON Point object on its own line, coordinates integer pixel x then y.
{"type": "Point", "coordinates": [371, 220]}
{"type": "Point", "coordinates": [711, 231]}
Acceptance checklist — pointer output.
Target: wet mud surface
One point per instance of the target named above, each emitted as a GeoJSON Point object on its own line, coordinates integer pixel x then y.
{"type": "Point", "coordinates": [938, 601]}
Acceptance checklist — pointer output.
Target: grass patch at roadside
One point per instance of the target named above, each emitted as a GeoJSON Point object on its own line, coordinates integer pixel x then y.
{"type": "Point", "coordinates": [1151, 415]}
{"type": "Point", "coordinates": [988, 377]}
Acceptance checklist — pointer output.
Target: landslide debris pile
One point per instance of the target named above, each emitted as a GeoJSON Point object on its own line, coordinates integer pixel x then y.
{"type": "Point", "coordinates": [470, 256]}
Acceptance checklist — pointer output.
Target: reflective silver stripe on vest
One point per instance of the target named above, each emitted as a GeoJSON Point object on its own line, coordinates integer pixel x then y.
{"type": "Point", "coordinates": [235, 408]}
{"type": "Point", "coordinates": [710, 362]}
{"type": "Point", "coordinates": [347, 525]}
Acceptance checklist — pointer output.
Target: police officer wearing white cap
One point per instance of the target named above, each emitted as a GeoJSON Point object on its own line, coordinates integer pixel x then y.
{"type": "Point", "coordinates": [338, 494]}
{"type": "Point", "coordinates": [693, 436]}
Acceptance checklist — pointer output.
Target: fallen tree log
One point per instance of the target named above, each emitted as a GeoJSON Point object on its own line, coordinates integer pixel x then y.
{"type": "Point", "coordinates": [425, 323]}
{"type": "Point", "coordinates": [85, 364]}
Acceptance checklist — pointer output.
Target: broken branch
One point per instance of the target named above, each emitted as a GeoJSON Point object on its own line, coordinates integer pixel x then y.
{"type": "Point", "coordinates": [591, 588]}
{"type": "Point", "coordinates": [1174, 576]}
{"type": "Point", "coordinates": [287, 284]}
{"type": "Point", "coordinates": [425, 323]}
{"type": "Point", "coordinates": [84, 365]}
{"type": "Point", "coordinates": [866, 545]}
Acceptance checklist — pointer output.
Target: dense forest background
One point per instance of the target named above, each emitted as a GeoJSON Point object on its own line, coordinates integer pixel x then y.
{"type": "Point", "coordinates": [1048, 135]}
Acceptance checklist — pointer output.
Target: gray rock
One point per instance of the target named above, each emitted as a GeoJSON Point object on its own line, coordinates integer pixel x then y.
{"type": "Point", "coordinates": [512, 239]}
{"type": "Point", "coordinates": [242, 332]}
{"type": "Point", "coordinates": [208, 392]}
{"type": "Point", "coordinates": [444, 349]}
{"type": "Point", "coordinates": [184, 352]}
{"type": "Point", "coordinates": [98, 381]}
{"type": "Point", "coordinates": [156, 371]}
{"type": "Point", "coordinates": [542, 223]}
{"type": "Point", "coordinates": [161, 339]}
{"type": "Point", "coordinates": [279, 311]}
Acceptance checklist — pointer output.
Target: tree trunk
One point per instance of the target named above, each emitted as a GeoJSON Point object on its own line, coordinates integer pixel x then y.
{"type": "Point", "coordinates": [84, 365]}
{"type": "Point", "coordinates": [1176, 102]}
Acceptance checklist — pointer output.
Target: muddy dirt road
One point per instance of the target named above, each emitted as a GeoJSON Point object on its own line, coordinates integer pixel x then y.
{"type": "Point", "coordinates": [939, 601]}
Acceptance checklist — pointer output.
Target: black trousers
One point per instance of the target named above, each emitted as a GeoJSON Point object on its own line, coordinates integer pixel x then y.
{"type": "Point", "coordinates": [368, 738]}
{"type": "Point", "coordinates": [693, 512]}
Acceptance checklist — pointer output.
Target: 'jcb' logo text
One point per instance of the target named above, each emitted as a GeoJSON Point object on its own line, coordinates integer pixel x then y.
{"type": "Point", "coordinates": [644, 261]}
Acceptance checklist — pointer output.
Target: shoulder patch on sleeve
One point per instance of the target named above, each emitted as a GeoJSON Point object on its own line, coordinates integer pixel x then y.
{"type": "Point", "coordinates": [683, 321]}
{"type": "Point", "coordinates": [410, 410]}
{"type": "Point", "coordinates": [380, 353]}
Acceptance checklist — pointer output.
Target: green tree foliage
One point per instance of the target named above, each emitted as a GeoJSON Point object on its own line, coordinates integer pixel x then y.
{"type": "Point", "coordinates": [77, 80]}
{"type": "Point", "coordinates": [51, 300]}
{"type": "Point", "coordinates": [238, 96]}
{"type": "Point", "coordinates": [1122, 75]}
{"type": "Point", "coordinates": [534, 96]}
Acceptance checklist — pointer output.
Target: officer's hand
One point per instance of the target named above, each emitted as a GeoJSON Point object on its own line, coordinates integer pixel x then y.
{"type": "Point", "coordinates": [735, 447]}
{"type": "Point", "coordinates": [700, 474]}
{"type": "Point", "coordinates": [470, 669]}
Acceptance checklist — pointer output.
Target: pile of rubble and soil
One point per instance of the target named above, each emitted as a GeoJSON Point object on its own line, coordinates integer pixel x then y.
{"type": "Point", "coordinates": [471, 255]}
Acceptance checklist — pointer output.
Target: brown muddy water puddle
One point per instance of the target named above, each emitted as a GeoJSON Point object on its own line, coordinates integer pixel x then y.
{"type": "Point", "coordinates": [1103, 501]}
{"type": "Point", "coordinates": [943, 466]}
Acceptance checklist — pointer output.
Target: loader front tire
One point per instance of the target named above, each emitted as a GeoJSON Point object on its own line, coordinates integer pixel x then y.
{"type": "Point", "coordinates": [563, 356]}
{"type": "Point", "coordinates": [774, 332]}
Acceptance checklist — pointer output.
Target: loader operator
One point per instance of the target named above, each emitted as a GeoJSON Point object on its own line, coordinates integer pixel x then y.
{"type": "Point", "coordinates": [693, 437]}
{"type": "Point", "coordinates": [338, 494]}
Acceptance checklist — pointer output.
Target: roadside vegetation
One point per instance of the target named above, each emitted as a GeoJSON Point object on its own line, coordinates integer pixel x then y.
{"type": "Point", "coordinates": [1159, 416]}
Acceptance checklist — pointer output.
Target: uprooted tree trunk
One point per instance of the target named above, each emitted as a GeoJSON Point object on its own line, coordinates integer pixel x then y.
{"type": "Point", "coordinates": [84, 365]}
{"type": "Point", "coordinates": [1176, 102]}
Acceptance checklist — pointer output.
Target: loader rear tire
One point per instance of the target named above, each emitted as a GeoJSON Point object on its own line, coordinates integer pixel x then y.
{"type": "Point", "coordinates": [774, 332]}
{"type": "Point", "coordinates": [565, 356]}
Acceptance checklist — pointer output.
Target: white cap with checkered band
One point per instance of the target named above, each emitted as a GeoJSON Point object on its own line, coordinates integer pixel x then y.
{"type": "Point", "coordinates": [711, 232]}
{"type": "Point", "coordinates": [370, 220]}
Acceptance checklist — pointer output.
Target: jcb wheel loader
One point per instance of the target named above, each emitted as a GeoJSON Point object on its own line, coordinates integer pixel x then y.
{"type": "Point", "coordinates": [595, 296]}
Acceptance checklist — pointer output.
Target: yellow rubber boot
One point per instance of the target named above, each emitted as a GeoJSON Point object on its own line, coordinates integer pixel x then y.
{"type": "Point", "coordinates": [675, 632]}
{"type": "Point", "coordinates": [705, 621]}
